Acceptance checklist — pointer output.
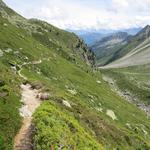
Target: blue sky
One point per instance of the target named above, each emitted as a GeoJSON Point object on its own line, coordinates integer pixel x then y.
{"type": "Point", "coordinates": [86, 14]}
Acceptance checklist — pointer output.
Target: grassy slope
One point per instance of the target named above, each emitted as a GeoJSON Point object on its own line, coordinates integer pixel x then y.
{"type": "Point", "coordinates": [108, 54]}
{"type": "Point", "coordinates": [136, 40]}
{"type": "Point", "coordinates": [133, 79]}
{"type": "Point", "coordinates": [82, 123]}
{"type": "Point", "coordinates": [127, 48]}
{"type": "Point", "coordinates": [9, 105]}
{"type": "Point", "coordinates": [107, 47]}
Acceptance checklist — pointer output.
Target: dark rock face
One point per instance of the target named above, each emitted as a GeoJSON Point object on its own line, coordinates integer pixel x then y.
{"type": "Point", "coordinates": [36, 86]}
{"type": "Point", "coordinates": [43, 96]}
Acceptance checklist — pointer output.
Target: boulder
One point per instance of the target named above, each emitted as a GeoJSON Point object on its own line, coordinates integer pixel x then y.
{"type": "Point", "coordinates": [5, 24]}
{"type": "Point", "coordinates": [66, 103]}
{"type": "Point", "coordinates": [111, 114]}
{"type": "Point", "coordinates": [73, 92]}
{"type": "Point", "coordinates": [8, 50]}
{"type": "Point", "coordinates": [99, 82]}
{"type": "Point", "coordinates": [43, 96]}
{"type": "Point", "coordinates": [36, 86]}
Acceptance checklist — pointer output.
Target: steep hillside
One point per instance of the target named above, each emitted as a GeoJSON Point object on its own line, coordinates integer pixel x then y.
{"type": "Point", "coordinates": [135, 52]}
{"type": "Point", "coordinates": [108, 46]}
{"type": "Point", "coordinates": [50, 36]}
{"type": "Point", "coordinates": [79, 110]}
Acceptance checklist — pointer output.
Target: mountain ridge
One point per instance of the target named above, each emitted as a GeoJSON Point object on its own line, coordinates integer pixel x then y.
{"type": "Point", "coordinates": [107, 46]}
{"type": "Point", "coordinates": [136, 50]}
{"type": "Point", "coordinates": [92, 36]}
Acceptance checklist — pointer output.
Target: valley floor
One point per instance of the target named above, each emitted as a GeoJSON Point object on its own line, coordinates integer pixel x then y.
{"type": "Point", "coordinates": [127, 95]}
{"type": "Point", "coordinates": [132, 83]}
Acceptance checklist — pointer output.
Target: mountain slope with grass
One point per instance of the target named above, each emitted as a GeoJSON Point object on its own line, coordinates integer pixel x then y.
{"type": "Point", "coordinates": [80, 111]}
{"type": "Point", "coordinates": [135, 52]}
{"type": "Point", "coordinates": [132, 83]}
{"type": "Point", "coordinates": [108, 46]}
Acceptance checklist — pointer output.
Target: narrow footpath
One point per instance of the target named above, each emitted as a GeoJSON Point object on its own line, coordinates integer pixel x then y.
{"type": "Point", "coordinates": [30, 100]}
{"type": "Point", "coordinates": [23, 140]}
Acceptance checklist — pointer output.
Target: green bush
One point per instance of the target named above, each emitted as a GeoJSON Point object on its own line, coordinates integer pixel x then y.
{"type": "Point", "coordinates": [54, 128]}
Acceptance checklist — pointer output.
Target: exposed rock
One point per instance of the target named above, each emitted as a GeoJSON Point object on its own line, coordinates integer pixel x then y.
{"type": "Point", "coordinates": [91, 96]}
{"type": "Point", "coordinates": [92, 100]}
{"type": "Point", "coordinates": [24, 111]}
{"type": "Point", "coordinates": [66, 86]}
{"type": "Point", "coordinates": [38, 72]}
{"type": "Point", "coordinates": [8, 50]}
{"type": "Point", "coordinates": [66, 103]}
{"type": "Point", "coordinates": [14, 68]}
{"type": "Point", "coordinates": [99, 109]}
{"type": "Point", "coordinates": [36, 62]}
{"type": "Point", "coordinates": [5, 24]}
{"type": "Point", "coordinates": [1, 53]}
{"type": "Point", "coordinates": [127, 95]}
{"type": "Point", "coordinates": [128, 125]}
{"type": "Point", "coordinates": [99, 104]}
{"type": "Point", "coordinates": [99, 82]}
{"type": "Point", "coordinates": [54, 78]}
{"type": "Point", "coordinates": [111, 114]}
{"type": "Point", "coordinates": [144, 131]}
{"type": "Point", "coordinates": [26, 58]}
{"type": "Point", "coordinates": [43, 96]}
{"type": "Point", "coordinates": [73, 92]}
{"type": "Point", "coordinates": [16, 52]}
{"type": "Point", "coordinates": [36, 86]}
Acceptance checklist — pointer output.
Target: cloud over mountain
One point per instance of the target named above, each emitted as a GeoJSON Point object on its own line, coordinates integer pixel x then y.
{"type": "Point", "coordinates": [76, 14]}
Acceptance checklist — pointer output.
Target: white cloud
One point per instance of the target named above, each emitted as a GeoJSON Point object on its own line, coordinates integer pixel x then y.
{"type": "Point", "coordinates": [121, 3]}
{"type": "Point", "coordinates": [77, 14]}
{"type": "Point", "coordinates": [135, 6]}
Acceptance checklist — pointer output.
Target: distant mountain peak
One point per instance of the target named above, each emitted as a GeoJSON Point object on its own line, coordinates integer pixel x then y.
{"type": "Point", "coordinates": [121, 36]}
{"type": "Point", "coordinates": [147, 27]}
{"type": "Point", "coordinates": [145, 32]}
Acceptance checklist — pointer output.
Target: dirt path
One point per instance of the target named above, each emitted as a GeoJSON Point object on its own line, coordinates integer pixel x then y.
{"type": "Point", "coordinates": [22, 76]}
{"type": "Point", "coordinates": [23, 140]}
{"type": "Point", "coordinates": [25, 64]}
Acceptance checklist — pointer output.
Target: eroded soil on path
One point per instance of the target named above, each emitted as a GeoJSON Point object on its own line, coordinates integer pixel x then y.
{"type": "Point", "coordinates": [23, 140]}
